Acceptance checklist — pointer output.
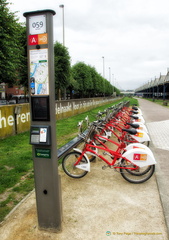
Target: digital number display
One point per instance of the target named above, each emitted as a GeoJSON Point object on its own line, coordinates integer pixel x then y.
{"type": "Point", "coordinates": [37, 24]}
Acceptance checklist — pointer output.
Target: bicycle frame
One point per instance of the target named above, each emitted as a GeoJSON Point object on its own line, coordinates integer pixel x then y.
{"type": "Point", "coordinates": [115, 155]}
{"type": "Point", "coordinates": [124, 135]}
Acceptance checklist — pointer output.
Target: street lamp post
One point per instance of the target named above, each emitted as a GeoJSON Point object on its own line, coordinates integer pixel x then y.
{"type": "Point", "coordinates": [103, 67]}
{"type": "Point", "coordinates": [113, 84]}
{"type": "Point", "coordinates": [63, 21]}
{"type": "Point", "coordinates": [62, 6]}
{"type": "Point", "coordinates": [104, 79]}
{"type": "Point", "coordinates": [110, 75]}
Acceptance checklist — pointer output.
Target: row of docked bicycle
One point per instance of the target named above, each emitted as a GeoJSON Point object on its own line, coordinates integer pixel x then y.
{"type": "Point", "coordinates": [120, 139]}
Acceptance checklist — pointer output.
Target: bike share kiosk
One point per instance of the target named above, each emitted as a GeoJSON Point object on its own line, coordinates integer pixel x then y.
{"type": "Point", "coordinates": [43, 119]}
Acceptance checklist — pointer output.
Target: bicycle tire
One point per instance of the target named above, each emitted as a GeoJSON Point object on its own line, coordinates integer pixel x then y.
{"type": "Point", "coordinates": [137, 178]}
{"type": "Point", "coordinates": [103, 133]}
{"type": "Point", "coordinates": [146, 143]}
{"type": "Point", "coordinates": [91, 157]}
{"type": "Point", "coordinates": [139, 171]}
{"type": "Point", "coordinates": [68, 165]}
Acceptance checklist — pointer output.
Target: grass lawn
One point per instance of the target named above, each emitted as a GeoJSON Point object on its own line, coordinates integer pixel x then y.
{"type": "Point", "coordinates": [16, 165]}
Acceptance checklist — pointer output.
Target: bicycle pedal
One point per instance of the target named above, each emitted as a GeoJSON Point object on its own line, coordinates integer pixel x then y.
{"type": "Point", "coordinates": [104, 167]}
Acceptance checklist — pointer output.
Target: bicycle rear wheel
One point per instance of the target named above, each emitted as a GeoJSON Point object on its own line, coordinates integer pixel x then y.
{"type": "Point", "coordinates": [139, 171]}
{"type": "Point", "coordinates": [137, 176]}
{"type": "Point", "coordinates": [129, 140]}
{"type": "Point", "coordinates": [146, 143]}
{"type": "Point", "coordinates": [68, 165]}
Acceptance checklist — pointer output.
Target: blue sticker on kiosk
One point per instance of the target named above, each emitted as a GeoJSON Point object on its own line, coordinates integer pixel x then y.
{"type": "Point", "coordinates": [32, 85]}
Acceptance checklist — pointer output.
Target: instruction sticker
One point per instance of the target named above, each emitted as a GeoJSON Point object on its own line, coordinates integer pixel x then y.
{"type": "Point", "coordinates": [43, 134]}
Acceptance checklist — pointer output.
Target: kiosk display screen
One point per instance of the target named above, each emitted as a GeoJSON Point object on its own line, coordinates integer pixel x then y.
{"type": "Point", "coordinates": [40, 108]}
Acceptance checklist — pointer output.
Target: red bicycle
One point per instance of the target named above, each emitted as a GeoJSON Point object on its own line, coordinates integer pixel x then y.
{"type": "Point", "coordinates": [116, 123]}
{"type": "Point", "coordinates": [135, 162]}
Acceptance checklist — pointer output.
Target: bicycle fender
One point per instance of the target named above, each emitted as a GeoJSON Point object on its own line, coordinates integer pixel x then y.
{"type": "Point", "coordinates": [138, 145]}
{"type": "Point", "coordinates": [140, 157]}
{"type": "Point", "coordinates": [142, 126]}
{"type": "Point", "coordinates": [85, 166]}
{"type": "Point", "coordinates": [141, 136]}
{"type": "Point", "coordinates": [140, 119]}
{"type": "Point", "coordinates": [138, 115]}
{"type": "Point", "coordinates": [139, 111]}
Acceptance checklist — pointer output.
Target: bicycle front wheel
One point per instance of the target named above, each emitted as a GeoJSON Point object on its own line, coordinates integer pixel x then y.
{"type": "Point", "coordinates": [146, 143]}
{"type": "Point", "coordinates": [137, 176]}
{"type": "Point", "coordinates": [103, 133]}
{"type": "Point", "coordinates": [68, 165]}
{"type": "Point", "coordinates": [90, 157]}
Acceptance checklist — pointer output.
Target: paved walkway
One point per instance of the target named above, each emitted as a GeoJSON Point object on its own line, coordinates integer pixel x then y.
{"type": "Point", "coordinates": [157, 121]}
{"type": "Point", "coordinates": [159, 132]}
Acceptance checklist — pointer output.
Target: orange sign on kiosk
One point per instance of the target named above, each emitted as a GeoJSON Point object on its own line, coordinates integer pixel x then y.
{"type": "Point", "coordinates": [38, 39]}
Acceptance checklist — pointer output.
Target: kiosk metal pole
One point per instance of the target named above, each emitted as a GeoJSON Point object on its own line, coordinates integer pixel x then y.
{"type": "Point", "coordinates": [43, 118]}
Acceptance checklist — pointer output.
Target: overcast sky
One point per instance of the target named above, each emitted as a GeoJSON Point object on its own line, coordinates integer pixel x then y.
{"type": "Point", "coordinates": [131, 35]}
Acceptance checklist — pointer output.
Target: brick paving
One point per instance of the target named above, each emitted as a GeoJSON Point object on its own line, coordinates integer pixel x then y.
{"type": "Point", "coordinates": [159, 134]}
{"type": "Point", "coordinates": [157, 122]}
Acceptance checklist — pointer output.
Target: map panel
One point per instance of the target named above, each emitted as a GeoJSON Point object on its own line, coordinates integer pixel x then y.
{"type": "Point", "coordinates": [39, 81]}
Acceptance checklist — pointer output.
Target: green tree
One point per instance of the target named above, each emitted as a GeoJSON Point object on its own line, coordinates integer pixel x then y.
{"type": "Point", "coordinates": [23, 68]}
{"type": "Point", "coordinates": [101, 85]}
{"type": "Point", "coordinates": [73, 85]}
{"type": "Point", "coordinates": [62, 67]}
{"type": "Point", "coordinates": [10, 48]}
{"type": "Point", "coordinates": [81, 73]}
{"type": "Point", "coordinates": [117, 91]}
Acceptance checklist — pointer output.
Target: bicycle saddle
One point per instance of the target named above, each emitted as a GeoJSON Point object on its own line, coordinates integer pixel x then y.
{"type": "Point", "coordinates": [135, 117]}
{"type": "Point", "coordinates": [135, 112]}
{"type": "Point", "coordinates": [135, 108]}
{"type": "Point", "coordinates": [131, 131]}
{"type": "Point", "coordinates": [133, 125]}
